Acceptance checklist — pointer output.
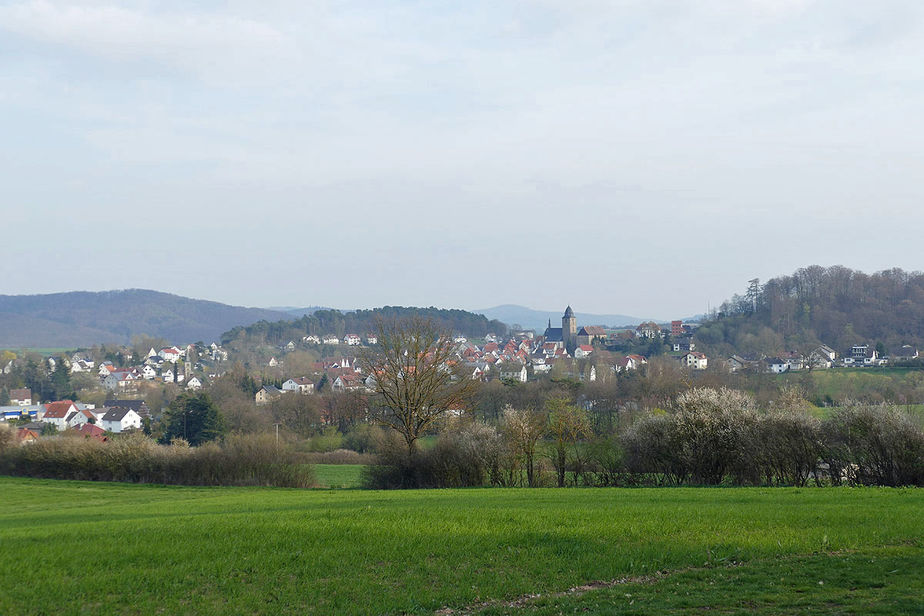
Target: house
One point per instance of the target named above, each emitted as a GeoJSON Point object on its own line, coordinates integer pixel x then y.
{"type": "Point", "coordinates": [588, 334]}
{"type": "Point", "coordinates": [194, 384]}
{"type": "Point", "coordinates": [311, 339]}
{"type": "Point", "coordinates": [739, 362]}
{"type": "Point", "coordinates": [120, 419]}
{"type": "Point", "coordinates": [823, 357]}
{"type": "Point", "coordinates": [56, 413]}
{"type": "Point", "coordinates": [372, 339]}
{"type": "Point", "coordinates": [272, 363]}
{"type": "Point", "coordinates": [648, 330]}
{"type": "Point", "coordinates": [793, 359]}
{"type": "Point", "coordinates": [352, 340]}
{"type": "Point", "coordinates": [148, 373]}
{"type": "Point", "coordinates": [21, 397]}
{"type": "Point", "coordinates": [905, 353]}
{"type": "Point", "coordinates": [64, 414]}
{"type": "Point", "coordinates": [330, 339]}
{"type": "Point", "coordinates": [266, 394]}
{"type": "Point", "coordinates": [696, 360]}
{"type": "Point", "coordinates": [167, 375]}
{"type": "Point", "coordinates": [121, 379]}
{"type": "Point", "coordinates": [302, 385]}
{"type": "Point", "coordinates": [630, 362]}
{"type": "Point", "coordinates": [139, 406]}
{"type": "Point", "coordinates": [540, 364]}
{"type": "Point", "coordinates": [684, 345]}
{"type": "Point", "coordinates": [26, 436]}
{"type": "Point", "coordinates": [513, 371]}
{"type": "Point", "coordinates": [861, 355]}
{"type": "Point", "coordinates": [347, 381]}
{"type": "Point", "coordinates": [290, 345]}
{"type": "Point", "coordinates": [677, 329]}
{"type": "Point", "coordinates": [88, 430]}
{"type": "Point", "coordinates": [583, 351]}
{"type": "Point", "coordinates": [776, 365]}
{"type": "Point", "coordinates": [170, 354]}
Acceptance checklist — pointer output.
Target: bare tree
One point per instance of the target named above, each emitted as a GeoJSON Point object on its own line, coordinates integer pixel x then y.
{"type": "Point", "coordinates": [523, 429]}
{"type": "Point", "coordinates": [567, 425]}
{"type": "Point", "coordinates": [415, 377]}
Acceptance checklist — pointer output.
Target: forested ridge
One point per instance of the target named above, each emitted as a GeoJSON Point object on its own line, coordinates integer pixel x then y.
{"type": "Point", "coordinates": [362, 322]}
{"type": "Point", "coordinates": [835, 306]}
{"type": "Point", "coordinates": [86, 318]}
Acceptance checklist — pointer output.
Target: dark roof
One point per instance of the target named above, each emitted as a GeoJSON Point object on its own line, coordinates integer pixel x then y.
{"type": "Point", "coordinates": [138, 406]}
{"type": "Point", "coordinates": [569, 314]}
{"type": "Point", "coordinates": [553, 334]}
{"type": "Point", "coordinates": [592, 330]}
{"type": "Point", "coordinates": [117, 413]}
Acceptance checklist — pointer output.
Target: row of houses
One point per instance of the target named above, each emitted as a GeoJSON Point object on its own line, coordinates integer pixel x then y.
{"type": "Point", "coordinates": [821, 358]}
{"type": "Point", "coordinates": [116, 417]}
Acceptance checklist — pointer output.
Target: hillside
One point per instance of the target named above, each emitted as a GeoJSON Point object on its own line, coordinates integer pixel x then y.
{"type": "Point", "coordinates": [361, 322]}
{"type": "Point", "coordinates": [836, 306]}
{"type": "Point", "coordinates": [86, 318]}
{"type": "Point", "coordinates": [539, 319]}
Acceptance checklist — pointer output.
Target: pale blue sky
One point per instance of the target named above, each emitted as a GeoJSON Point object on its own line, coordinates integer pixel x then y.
{"type": "Point", "coordinates": [644, 158]}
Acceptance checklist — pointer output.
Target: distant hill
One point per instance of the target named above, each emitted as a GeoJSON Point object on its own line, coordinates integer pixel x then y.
{"type": "Point", "coordinates": [295, 311]}
{"type": "Point", "coordinates": [835, 306]}
{"type": "Point", "coordinates": [360, 322]}
{"type": "Point", "coordinates": [85, 318]}
{"type": "Point", "coordinates": [539, 319]}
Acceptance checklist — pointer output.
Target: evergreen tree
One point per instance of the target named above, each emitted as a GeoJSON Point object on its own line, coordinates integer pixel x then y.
{"type": "Point", "coordinates": [195, 418]}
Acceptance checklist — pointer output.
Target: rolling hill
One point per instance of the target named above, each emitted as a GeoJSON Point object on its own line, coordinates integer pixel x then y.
{"type": "Point", "coordinates": [83, 318]}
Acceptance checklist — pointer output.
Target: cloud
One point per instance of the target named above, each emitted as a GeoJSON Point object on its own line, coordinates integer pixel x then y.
{"type": "Point", "coordinates": [209, 45]}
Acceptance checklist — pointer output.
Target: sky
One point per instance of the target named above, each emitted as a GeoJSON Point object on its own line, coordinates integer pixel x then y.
{"type": "Point", "coordinates": [644, 158]}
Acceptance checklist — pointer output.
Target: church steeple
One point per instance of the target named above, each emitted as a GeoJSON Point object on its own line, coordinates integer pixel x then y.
{"type": "Point", "coordinates": [569, 330]}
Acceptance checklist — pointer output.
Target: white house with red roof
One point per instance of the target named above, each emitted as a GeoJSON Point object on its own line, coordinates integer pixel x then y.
{"type": "Point", "coordinates": [696, 360]}
{"type": "Point", "coordinates": [583, 351]}
{"type": "Point", "coordinates": [170, 354]}
{"type": "Point", "coordinates": [64, 414]}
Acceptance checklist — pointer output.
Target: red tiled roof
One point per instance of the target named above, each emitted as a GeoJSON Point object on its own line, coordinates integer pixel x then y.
{"type": "Point", "coordinates": [59, 409]}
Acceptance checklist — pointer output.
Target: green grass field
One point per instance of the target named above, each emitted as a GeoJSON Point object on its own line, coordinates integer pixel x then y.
{"type": "Point", "coordinates": [338, 475]}
{"type": "Point", "coordinates": [96, 548]}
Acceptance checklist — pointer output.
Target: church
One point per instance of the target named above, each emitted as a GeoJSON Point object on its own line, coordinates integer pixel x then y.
{"type": "Point", "coordinates": [569, 336]}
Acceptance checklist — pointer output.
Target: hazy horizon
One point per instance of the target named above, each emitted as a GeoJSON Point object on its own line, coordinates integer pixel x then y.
{"type": "Point", "coordinates": [641, 158]}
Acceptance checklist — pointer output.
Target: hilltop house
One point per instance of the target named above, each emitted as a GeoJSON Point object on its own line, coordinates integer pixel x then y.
{"type": "Point", "coordinates": [696, 360]}
{"type": "Point", "coordinates": [266, 394]}
{"type": "Point", "coordinates": [301, 384]}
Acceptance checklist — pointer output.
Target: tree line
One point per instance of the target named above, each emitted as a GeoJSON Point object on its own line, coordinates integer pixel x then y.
{"type": "Point", "coordinates": [836, 306]}
{"type": "Point", "coordinates": [362, 322]}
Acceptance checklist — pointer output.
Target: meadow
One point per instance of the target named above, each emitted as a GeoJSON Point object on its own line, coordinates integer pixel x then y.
{"type": "Point", "coordinates": [97, 548]}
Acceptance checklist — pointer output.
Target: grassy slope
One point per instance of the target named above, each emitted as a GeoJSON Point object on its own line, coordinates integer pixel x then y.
{"type": "Point", "coordinates": [93, 548]}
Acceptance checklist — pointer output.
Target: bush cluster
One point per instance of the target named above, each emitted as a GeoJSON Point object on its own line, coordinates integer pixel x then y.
{"type": "Point", "coordinates": [237, 461]}
{"type": "Point", "coordinates": [707, 437]}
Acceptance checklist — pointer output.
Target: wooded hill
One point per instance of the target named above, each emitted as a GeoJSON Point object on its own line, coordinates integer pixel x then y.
{"type": "Point", "coordinates": [835, 306]}
{"type": "Point", "coordinates": [362, 322]}
{"type": "Point", "coordinates": [78, 319]}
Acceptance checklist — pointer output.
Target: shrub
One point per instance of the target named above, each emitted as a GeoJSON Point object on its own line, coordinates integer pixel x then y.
{"type": "Point", "coordinates": [240, 460]}
{"type": "Point", "coordinates": [877, 445]}
{"type": "Point", "coordinates": [468, 455]}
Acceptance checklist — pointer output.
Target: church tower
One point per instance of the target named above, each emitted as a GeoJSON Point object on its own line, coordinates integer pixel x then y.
{"type": "Point", "coordinates": [569, 330]}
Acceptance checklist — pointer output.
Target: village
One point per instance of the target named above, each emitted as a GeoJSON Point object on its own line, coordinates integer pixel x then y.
{"type": "Point", "coordinates": [584, 354]}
